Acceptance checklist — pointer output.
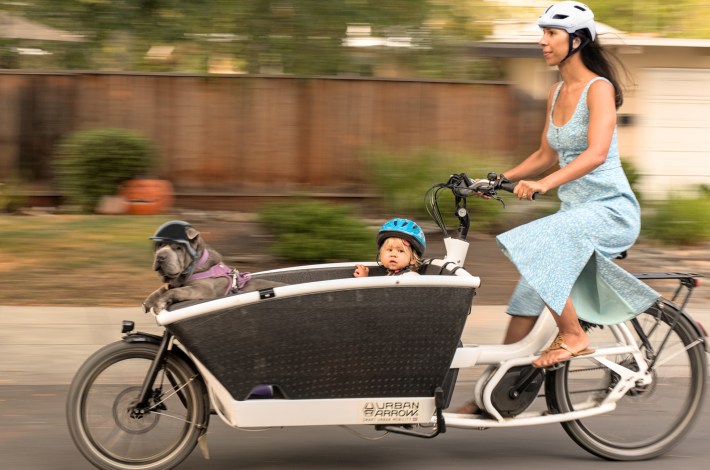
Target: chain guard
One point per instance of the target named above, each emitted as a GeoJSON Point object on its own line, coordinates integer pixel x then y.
{"type": "Point", "coordinates": [503, 396]}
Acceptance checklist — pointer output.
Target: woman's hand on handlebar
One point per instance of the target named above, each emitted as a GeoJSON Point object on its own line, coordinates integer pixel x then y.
{"type": "Point", "coordinates": [528, 189]}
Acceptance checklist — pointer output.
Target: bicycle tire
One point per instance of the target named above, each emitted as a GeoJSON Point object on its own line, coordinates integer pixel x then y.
{"type": "Point", "coordinates": [646, 422]}
{"type": "Point", "coordinates": [100, 400]}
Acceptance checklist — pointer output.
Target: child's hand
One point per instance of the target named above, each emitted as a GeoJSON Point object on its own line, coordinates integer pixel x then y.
{"type": "Point", "coordinates": [361, 271]}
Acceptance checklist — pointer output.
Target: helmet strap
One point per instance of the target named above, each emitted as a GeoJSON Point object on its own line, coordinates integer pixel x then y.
{"type": "Point", "coordinates": [193, 254]}
{"type": "Point", "coordinates": [572, 50]}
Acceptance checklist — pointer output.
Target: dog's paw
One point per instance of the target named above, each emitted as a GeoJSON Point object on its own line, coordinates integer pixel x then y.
{"type": "Point", "coordinates": [150, 307]}
{"type": "Point", "coordinates": [159, 306]}
{"type": "Point", "coordinates": [154, 306]}
{"type": "Point", "coordinates": [154, 302]}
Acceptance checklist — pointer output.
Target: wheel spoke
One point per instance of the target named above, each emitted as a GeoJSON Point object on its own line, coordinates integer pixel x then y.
{"type": "Point", "coordinates": [108, 428]}
{"type": "Point", "coordinates": [652, 417]}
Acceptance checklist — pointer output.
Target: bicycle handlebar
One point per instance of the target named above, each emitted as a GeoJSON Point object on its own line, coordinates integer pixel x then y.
{"type": "Point", "coordinates": [493, 183]}
{"type": "Point", "coordinates": [462, 187]}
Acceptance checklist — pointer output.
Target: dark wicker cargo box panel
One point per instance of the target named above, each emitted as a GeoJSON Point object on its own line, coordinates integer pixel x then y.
{"type": "Point", "coordinates": [374, 342]}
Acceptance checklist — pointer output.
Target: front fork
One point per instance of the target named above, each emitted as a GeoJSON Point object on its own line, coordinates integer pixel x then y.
{"type": "Point", "coordinates": [146, 394]}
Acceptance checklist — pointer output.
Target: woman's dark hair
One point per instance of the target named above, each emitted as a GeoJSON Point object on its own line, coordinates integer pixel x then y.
{"type": "Point", "coordinates": [603, 63]}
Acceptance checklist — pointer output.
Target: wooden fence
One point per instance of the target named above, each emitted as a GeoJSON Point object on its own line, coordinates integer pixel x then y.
{"type": "Point", "coordinates": [244, 133]}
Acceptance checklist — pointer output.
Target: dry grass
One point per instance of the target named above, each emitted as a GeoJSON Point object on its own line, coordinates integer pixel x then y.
{"type": "Point", "coordinates": [76, 259]}
{"type": "Point", "coordinates": [105, 260]}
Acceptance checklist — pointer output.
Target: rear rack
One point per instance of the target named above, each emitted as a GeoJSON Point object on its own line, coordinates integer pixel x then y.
{"type": "Point", "coordinates": [688, 280]}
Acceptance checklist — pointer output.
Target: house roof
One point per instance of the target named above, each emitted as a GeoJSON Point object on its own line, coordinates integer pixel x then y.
{"type": "Point", "coordinates": [515, 38]}
{"type": "Point", "coordinates": [16, 27]}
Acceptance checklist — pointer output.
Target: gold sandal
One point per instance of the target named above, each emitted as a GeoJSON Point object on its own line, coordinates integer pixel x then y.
{"type": "Point", "coordinates": [559, 343]}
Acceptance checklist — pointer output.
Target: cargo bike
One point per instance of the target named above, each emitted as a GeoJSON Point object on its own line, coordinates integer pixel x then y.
{"type": "Point", "coordinates": [327, 349]}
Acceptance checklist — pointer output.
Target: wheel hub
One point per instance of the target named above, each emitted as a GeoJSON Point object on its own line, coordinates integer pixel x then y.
{"type": "Point", "coordinates": [129, 417]}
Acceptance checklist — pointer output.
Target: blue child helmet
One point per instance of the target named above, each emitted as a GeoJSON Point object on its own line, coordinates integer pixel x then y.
{"type": "Point", "coordinates": [404, 229]}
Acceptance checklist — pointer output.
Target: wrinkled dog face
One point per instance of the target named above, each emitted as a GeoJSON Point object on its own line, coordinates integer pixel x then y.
{"type": "Point", "coordinates": [172, 258]}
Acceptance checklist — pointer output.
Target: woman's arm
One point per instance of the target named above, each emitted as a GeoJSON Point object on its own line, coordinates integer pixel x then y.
{"type": "Point", "coordinates": [602, 121]}
{"type": "Point", "coordinates": [541, 159]}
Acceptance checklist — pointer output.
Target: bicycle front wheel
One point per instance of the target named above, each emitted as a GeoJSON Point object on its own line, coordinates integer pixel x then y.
{"type": "Point", "coordinates": [650, 419]}
{"type": "Point", "coordinates": [103, 420]}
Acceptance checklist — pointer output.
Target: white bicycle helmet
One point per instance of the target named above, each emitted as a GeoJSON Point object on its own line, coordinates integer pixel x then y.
{"type": "Point", "coordinates": [570, 16]}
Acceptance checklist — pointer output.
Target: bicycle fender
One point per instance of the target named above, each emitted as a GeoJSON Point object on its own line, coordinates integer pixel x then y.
{"type": "Point", "coordinates": [141, 337]}
{"type": "Point", "coordinates": [697, 328]}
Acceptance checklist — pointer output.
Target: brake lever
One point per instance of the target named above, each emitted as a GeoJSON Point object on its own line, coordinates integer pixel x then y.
{"type": "Point", "coordinates": [488, 188]}
{"type": "Point", "coordinates": [461, 185]}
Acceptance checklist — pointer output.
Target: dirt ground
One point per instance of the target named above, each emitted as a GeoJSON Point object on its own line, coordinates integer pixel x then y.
{"type": "Point", "coordinates": [245, 244]}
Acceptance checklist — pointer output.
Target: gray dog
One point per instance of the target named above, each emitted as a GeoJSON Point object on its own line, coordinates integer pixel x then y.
{"type": "Point", "coordinates": [190, 270]}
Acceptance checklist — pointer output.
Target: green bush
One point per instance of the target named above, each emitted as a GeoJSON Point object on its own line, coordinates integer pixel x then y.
{"type": "Point", "coordinates": [93, 163]}
{"type": "Point", "coordinates": [403, 179]}
{"type": "Point", "coordinates": [680, 220]}
{"type": "Point", "coordinates": [633, 176]}
{"type": "Point", "coordinates": [12, 197]}
{"type": "Point", "coordinates": [314, 231]}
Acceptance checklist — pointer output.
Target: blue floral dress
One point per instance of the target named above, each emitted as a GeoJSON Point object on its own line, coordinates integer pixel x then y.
{"type": "Point", "coordinates": [570, 253]}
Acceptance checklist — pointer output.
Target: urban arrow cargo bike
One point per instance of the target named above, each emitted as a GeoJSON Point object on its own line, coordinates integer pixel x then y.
{"type": "Point", "coordinates": [326, 348]}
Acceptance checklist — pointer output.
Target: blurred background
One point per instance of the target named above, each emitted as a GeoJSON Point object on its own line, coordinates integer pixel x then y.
{"type": "Point", "coordinates": [282, 107]}
{"type": "Point", "coordinates": [287, 132]}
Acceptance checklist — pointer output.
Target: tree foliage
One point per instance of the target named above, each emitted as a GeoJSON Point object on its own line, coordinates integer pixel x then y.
{"type": "Point", "coordinates": [304, 37]}
{"type": "Point", "coordinates": [680, 18]}
{"type": "Point", "coordinates": [257, 36]}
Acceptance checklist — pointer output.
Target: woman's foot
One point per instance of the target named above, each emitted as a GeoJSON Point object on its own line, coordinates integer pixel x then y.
{"type": "Point", "coordinates": [470, 408]}
{"type": "Point", "coordinates": [563, 349]}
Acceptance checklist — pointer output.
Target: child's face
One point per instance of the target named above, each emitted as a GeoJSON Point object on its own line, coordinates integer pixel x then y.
{"type": "Point", "coordinates": [395, 255]}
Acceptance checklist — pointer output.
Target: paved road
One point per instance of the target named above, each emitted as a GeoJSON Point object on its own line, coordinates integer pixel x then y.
{"type": "Point", "coordinates": [42, 347]}
{"type": "Point", "coordinates": [33, 436]}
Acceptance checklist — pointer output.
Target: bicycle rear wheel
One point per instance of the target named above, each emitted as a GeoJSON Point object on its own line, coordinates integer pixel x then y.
{"type": "Point", "coordinates": [102, 417]}
{"type": "Point", "coordinates": [650, 419]}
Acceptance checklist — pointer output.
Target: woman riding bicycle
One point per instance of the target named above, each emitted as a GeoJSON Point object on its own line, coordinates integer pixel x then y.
{"type": "Point", "coordinates": [565, 259]}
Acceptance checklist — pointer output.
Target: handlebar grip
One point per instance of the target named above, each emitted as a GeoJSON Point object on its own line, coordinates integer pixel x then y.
{"type": "Point", "coordinates": [510, 187]}
{"type": "Point", "coordinates": [507, 187]}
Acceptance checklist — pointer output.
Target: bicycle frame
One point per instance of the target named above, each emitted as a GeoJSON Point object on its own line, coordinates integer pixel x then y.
{"type": "Point", "coordinates": [412, 410]}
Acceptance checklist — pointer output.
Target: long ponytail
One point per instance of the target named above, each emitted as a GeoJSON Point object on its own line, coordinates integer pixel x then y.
{"type": "Point", "coordinates": [603, 63]}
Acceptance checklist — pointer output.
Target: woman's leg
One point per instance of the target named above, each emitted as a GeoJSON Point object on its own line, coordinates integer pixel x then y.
{"type": "Point", "coordinates": [572, 333]}
{"type": "Point", "coordinates": [518, 328]}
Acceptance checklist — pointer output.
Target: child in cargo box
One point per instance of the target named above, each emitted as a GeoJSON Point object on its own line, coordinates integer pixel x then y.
{"type": "Point", "coordinates": [400, 246]}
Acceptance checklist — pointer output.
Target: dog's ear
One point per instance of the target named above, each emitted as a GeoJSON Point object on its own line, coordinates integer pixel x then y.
{"type": "Point", "coordinates": [196, 240]}
{"type": "Point", "coordinates": [192, 233]}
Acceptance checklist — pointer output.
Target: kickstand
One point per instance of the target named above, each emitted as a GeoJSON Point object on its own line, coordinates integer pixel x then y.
{"type": "Point", "coordinates": [202, 443]}
{"type": "Point", "coordinates": [408, 429]}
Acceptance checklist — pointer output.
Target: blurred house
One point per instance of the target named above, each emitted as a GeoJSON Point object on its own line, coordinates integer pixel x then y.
{"type": "Point", "coordinates": [24, 38]}
{"type": "Point", "coordinates": [664, 123]}
{"type": "Point", "coordinates": [16, 27]}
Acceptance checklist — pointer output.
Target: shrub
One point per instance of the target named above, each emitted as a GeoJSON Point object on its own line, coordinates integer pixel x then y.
{"type": "Point", "coordinates": [12, 196]}
{"type": "Point", "coordinates": [680, 220]}
{"type": "Point", "coordinates": [315, 231]}
{"type": "Point", "coordinates": [403, 179]}
{"type": "Point", "coordinates": [633, 176]}
{"type": "Point", "coordinates": [93, 163]}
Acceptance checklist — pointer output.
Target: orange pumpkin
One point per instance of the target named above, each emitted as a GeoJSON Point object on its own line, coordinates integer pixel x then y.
{"type": "Point", "coordinates": [148, 196]}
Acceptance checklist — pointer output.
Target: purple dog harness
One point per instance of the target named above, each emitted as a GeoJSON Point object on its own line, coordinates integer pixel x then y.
{"type": "Point", "coordinates": [237, 280]}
